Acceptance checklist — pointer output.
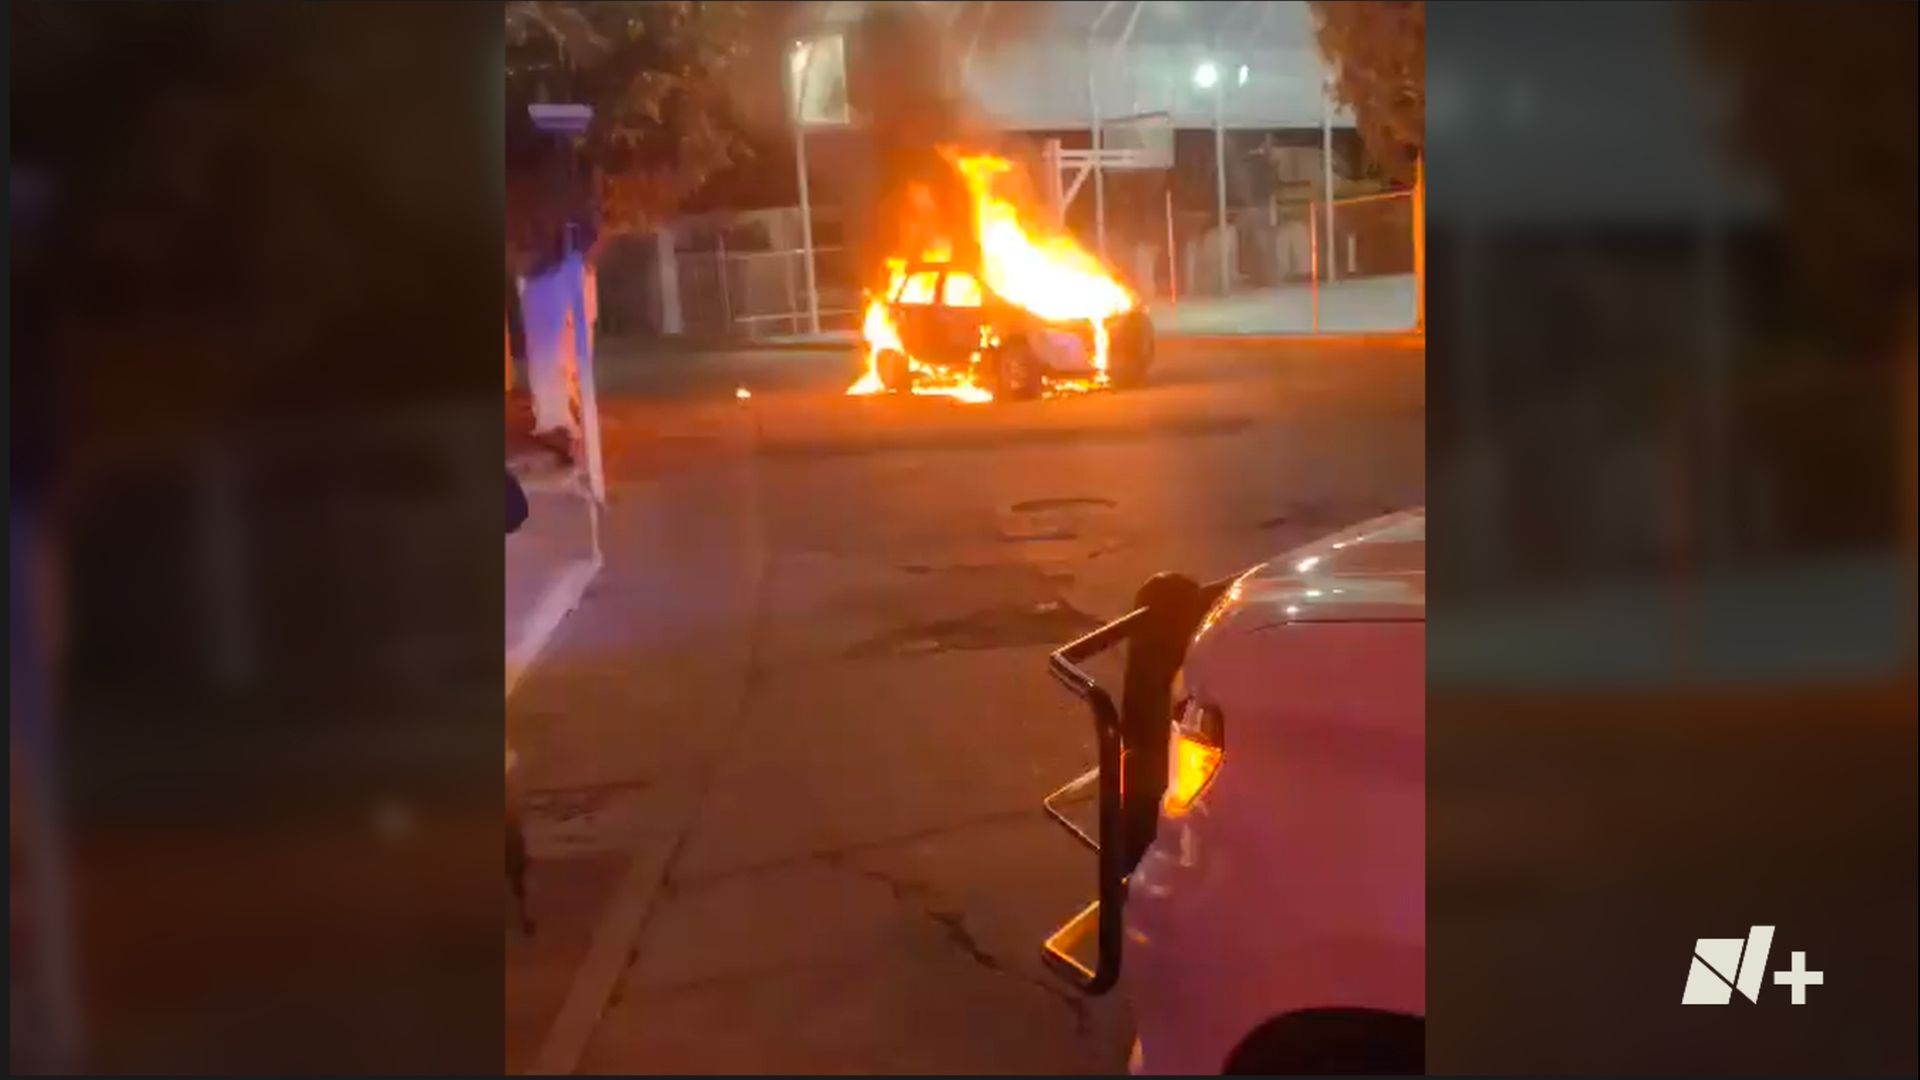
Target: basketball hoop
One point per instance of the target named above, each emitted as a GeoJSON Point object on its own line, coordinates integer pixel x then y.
{"type": "Point", "coordinates": [1144, 141]}
{"type": "Point", "coordinates": [1138, 143]}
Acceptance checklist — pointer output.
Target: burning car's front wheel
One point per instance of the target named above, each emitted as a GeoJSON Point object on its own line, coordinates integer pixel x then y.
{"type": "Point", "coordinates": [896, 373]}
{"type": "Point", "coordinates": [1013, 373]}
{"type": "Point", "coordinates": [1131, 351]}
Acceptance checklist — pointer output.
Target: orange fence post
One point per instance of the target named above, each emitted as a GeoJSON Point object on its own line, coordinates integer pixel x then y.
{"type": "Point", "coordinates": [1313, 262]}
{"type": "Point", "coordinates": [1419, 245]}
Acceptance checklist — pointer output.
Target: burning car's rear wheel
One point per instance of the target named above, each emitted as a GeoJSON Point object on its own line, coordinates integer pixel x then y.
{"type": "Point", "coordinates": [1130, 352]}
{"type": "Point", "coordinates": [1013, 373]}
{"type": "Point", "coordinates": [896, 373]}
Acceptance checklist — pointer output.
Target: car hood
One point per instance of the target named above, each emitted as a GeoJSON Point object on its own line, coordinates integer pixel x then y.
{"type": "Point", "coordinates": [1373, 572]}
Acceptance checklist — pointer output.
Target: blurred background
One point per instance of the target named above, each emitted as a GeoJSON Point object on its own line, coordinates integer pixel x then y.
{"type": "Point", "coordinates": [255, 566]}
{"type": "Point", "coordinates": [1671, 485]}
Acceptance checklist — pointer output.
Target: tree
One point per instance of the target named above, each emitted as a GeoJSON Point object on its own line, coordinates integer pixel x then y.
{"type": "Point", "coordinates": [1378, 50]}
{"type": "Point", "coordinates": [659, 76]}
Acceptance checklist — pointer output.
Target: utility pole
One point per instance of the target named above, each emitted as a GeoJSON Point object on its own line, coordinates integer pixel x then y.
{"type": "Point", "coordinates": [1220, 187]}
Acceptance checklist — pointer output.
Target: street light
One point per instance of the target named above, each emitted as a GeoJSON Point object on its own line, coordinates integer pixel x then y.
{"type": "Point", "coordinates": [567, 123]}
{"type": "Point", "coordinates": [1243, 74]}
{"type": "Point", "coordinates": [797, 62]}
{"type": "Point", "coordinates": [1207, 77]}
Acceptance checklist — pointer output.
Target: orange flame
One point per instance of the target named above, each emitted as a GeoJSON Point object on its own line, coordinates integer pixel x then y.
{"type": "Point", "coordinates": [1045, 274]}
{"type": "Point", "coordinates": [1050, 276]}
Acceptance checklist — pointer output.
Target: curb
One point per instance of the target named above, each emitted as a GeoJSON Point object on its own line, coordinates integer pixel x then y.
{"type": "Point", "coordinates": [696, 346]}
{"type": "Point", "coordinates": [1367, 339]}
{"type": "Point", "coordinates": [1356, 340]}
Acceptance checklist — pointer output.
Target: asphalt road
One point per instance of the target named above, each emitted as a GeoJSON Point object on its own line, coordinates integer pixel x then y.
{"type": "Point", "coordinates": [786, 758]}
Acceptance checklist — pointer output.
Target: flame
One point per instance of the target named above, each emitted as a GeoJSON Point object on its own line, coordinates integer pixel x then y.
{"type": "Point", "coordinates": [1050, 276]}
{"type": "Point", "coordinates": [1046, 274]}
{"type": "Point", "coordinates": [878, 331]}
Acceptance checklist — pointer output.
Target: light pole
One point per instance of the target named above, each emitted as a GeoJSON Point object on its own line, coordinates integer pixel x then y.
{"type": "Point", "coordinates": [1095, 138]}
{"type": "Point", "coordinates": [802, 53]}
{"type": "Point", "coordinates": [1326, 167]}
{"type": "Point", "coordinates": [1207, 77]}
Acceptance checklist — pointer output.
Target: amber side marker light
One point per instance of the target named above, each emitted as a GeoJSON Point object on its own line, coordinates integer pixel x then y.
{"type": "Point", "coordinates": [1194, 757]}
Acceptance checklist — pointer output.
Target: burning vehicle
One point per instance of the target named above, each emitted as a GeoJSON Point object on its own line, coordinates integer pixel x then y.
{"type": "Point", "coordinates": [1025, 312]}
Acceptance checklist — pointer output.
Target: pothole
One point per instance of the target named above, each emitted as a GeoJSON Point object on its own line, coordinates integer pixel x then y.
{"type": "Point", "coordinates": [1056, 519]}
{"type": "Point", "coordinates": [1045, 622]}
{"type": "Point", "coordinates": [1035, 535]}
{"type": "Point", "coordinates": [1029, 506]}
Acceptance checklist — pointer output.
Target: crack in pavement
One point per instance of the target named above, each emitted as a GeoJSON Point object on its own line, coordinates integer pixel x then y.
{"type": "Point", "coordinates": [955, 924]}
{"type": "Point", "coordinates": [931, 832]}
{"type": "Point", "coordinates": [920, 896]}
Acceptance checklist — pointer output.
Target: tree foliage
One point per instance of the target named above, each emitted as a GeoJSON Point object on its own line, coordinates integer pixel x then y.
{"type": "Point", "coordinates": [661, 77]}
{"type": "Point", "coordinates": [1378, 50]}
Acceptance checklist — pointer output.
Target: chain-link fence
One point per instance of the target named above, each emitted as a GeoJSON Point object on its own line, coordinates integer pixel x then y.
{"type": "Point", "coordinates": [739, 274]}
{"type": "Point", "coordinates": [759, 294]}
{"type": "Point", "coordinates": [1286, 267]}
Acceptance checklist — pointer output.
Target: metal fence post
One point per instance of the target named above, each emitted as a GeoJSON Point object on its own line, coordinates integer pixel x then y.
{"type": "Point", "coordinates": [1173, 275]}
{"type": "Point", "coordinates": [1326, 167]}
{"type": "Point", "coordinates": [1313, 262]}
{"type": "Point", "coordinates": [793, 312]}
{"type": "Point", "coordinates": [720, 270]}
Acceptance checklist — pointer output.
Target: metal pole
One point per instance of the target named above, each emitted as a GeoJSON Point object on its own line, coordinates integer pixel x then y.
{"type": "Point", "coordinates": [793, 315]}
{"type": "Point", "coordinates": [1173, 277]}
{"type": "Point", "coordinates": [1220, 186]}
{"type": "Point", "coordinates": [1126, 33]}
{"type": "Point", "coordinates": [1120, 51]}
{"type": "Point", "coordinates": [720, 268]}
{"type": "Point", "coordinates": [1099, 167]}
{"type": "Point", "coordinates": [1326, 165]}
{"type": "Point", "coordinates": [1094, 140]}
{"type": "Point", "coordinates": [1056, 195]}
{"type": "Point", "coordinates": [806, 200]}
{"type": "Point", "coordinates": [1313, 263]}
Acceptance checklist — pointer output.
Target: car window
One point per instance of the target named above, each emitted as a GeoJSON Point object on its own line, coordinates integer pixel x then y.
{"type": "Point", "coordinates": [919, 287]}
{"type": "Point", "coordinates": [961, 290]}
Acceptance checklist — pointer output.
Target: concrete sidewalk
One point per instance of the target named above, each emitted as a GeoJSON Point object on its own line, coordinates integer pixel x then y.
{"type": "Point", "coordinates": [1367, 305]}
{"type": "Point", "coordinates": [549, 564]}
{"type": "Point", "coordinates": [663, 631]}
